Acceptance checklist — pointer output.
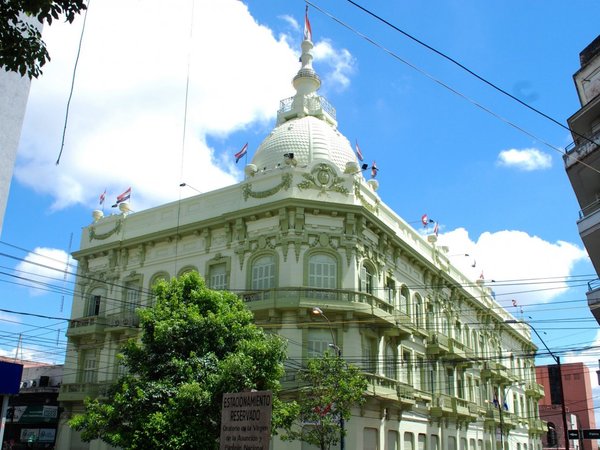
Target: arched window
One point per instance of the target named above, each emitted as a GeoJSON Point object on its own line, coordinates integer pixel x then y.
{"type": "Point", "coordinates": [404, 299]}
{"type": "Point", "coordinates": [418, 311]}
{"type": "Point", "coordinates": [94, 302]}
{"type": "Point", "coordinates": [263, 272]}
{"type": "Point", "coordinates": [322, 271]}
{"type": "Point", "coordinates": [366, 279]}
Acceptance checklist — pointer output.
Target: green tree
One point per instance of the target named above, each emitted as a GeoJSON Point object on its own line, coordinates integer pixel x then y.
{"type": "Point", "coordinates": [196, 344]}
{"type": "Point", "coordinates": [332, 387]}
{"type": "Point", "coordinates": [22, 49]}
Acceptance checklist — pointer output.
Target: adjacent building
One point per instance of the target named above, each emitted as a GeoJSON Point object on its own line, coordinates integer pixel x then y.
{"type": "Point", "coordinates": [32, 413]}
{"type": "Point", "coordinates": [448, 367]}
{"type": "Point", "coordinates": [582, 160]}
{"type": "Point", "coordinates": [579, 403]}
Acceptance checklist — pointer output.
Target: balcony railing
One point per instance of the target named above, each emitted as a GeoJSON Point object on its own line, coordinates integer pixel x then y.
{"type": "Point", "coordinates": [589, 209]}
{"type": "Point", "coordinates": [313, 105]}
{"type": "Point", "coordinates": [283, 295]}
{"type": "Point", "coordinates": [592, 141]}
{"type": "Point", "coordinates": [86, 325]}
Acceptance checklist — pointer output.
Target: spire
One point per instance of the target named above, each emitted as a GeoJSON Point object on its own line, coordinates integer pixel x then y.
{"type": "Point", "coordinates": [306, 102]}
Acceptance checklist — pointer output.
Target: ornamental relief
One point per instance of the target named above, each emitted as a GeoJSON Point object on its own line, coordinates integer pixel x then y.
{"type": "Point", "coordinates": [286, 182]}
{"type": "Point", "coordinates": [324, 179]}
{"type": "Point", "coordinates": [101, 236]}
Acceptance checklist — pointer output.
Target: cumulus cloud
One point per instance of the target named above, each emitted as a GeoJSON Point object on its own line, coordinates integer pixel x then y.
{"type": "Point", "coordinates": [291, 21]}
{"type": "Point", "coordinates": [528, 159]}
{"type": "Point", "coordinates": [43, 270]}
{"type": "Point", "coordinates": [128, 111]}
{"type": "Point", "coordinates": [514, 264]}
{"type": "Point", "coordinates": [340, 61]}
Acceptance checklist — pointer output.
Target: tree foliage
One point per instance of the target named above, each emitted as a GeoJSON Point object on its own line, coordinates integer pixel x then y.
{"type": "Point", "coordinates": [196, 344]}
{"type": "Point", "coordinates": [22, 49]}
{"type": "Point", "coordinates": [332, 388]}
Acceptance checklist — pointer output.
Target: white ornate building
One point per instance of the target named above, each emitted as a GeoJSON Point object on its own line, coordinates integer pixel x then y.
{"type": "Point", "coordinates": [305, 229]}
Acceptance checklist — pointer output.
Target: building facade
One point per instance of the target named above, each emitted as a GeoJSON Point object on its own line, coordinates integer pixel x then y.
{"type": "Point", "coordinates": [582, 160]}
{"type": "Point", "coordinates": [448, 367]}
{"type": "Point", "coordinates": [579, 402]}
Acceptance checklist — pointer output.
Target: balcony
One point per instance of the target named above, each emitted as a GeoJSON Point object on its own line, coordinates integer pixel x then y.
{"type": "Point", "coordinates": [593, 298]}
{"type": "Point", "coordinates": [534, 390]}
{"type": "Point", "coordinates": [441, 406]}
{"type": "Point", "coordinates": [342, 299]}
{"type": "Point", "coordinates": [438, 344]}
{"type": "Point", "coordinates": [464, 410]}
{"type": "Point", "coordinates": [77, 392]}
{"type": "Point", "coordinates": [92, 325]}
{"type": "Point", "coordinates": [122, 321]}
{"type": "Point", "coordinates": [389, 389]}
{"type": "Point", "coordinates": [537, 427]}
{"type": "Point", "coordinates": [496, 372]}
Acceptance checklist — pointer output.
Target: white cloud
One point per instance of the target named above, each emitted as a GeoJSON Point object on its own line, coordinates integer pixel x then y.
{"type": "Point", "coordinates": [292, 22]}
{"type": "Point", "coordinates": [340, 61]}
{"type": "Point", "coordinates": [126, 119]}
{"type": "Point", "coordinates": [528, 159]}
{"type": "Point", "coordinates": [43, 270]}
{"type": "Point", "coordinates": [525, 268]}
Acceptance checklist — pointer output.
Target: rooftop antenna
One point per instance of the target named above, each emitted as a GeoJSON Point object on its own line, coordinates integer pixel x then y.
{"type": "Point", "coordinates": [62, 300]}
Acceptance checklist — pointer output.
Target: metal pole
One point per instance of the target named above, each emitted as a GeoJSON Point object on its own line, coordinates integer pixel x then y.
{"type": "Point", "coordinates": [560, 380]}
{"type": "Point", "coordinates": [562, 402]}
{"type": "Point", "coordinates": [316, 310]}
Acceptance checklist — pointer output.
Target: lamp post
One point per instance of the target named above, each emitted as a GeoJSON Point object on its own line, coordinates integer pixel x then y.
{"type": "Point", "coordinates": [319, 312]}
{"type": "Point", "coordinates": [560, 380]}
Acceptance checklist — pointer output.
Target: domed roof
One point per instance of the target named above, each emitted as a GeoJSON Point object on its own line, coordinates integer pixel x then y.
{"type": "Point", "coordinates": [308, 138]}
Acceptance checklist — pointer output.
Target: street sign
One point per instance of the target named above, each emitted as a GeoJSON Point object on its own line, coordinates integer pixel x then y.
{"type": "Point", "coordinates": [573, 434]}
{"type": "Point", "coordinates": [591, 434]}
{"type": "Point", "coordinates": [246, 420]}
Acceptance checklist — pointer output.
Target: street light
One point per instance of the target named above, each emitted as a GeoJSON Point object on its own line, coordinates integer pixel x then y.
{"type": "Point", "coordinates": [560, 380]}
{"type": "Point", "coordinates": [319, 312]}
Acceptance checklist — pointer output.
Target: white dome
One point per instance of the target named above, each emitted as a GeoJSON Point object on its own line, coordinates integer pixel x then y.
{"type": "Point", "coordinates": [308, 138]}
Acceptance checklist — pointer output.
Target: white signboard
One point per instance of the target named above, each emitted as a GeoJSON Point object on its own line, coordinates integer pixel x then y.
{"type": "Point", "coordinates": [246, 420]}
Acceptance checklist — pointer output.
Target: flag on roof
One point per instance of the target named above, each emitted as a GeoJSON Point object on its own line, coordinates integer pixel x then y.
{"type": "Point", "coordinates": [358, 152]}
{"type": "Point", "coordinates": [241, 153]}
{"type": "Point", "coordinates": [436, 229]}
{"type": "Point", "coordinates": [374, 169]}
{"type": "Point", "coordinates": [102, 197]}
{"type": "Point", "coordinates": [424, 220]}
{"type": "Point", "coordinates": [307, 29]}
{"type": "Point", "coordinates": [123, 197]}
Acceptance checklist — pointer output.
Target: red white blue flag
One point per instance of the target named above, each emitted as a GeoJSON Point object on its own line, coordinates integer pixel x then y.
{"type": "Point", "coordinates": [374, 169]}
{"type": "Point", "coordinates": [102, 197]}
{"type": "Point", "coordinates": [358, 152]}
{"type": "Point", "coordinates": [307, 29]}
{"type": "Point", "coordinates": [436, 229]}
{"type": "Point", "coordinates": [123, 197]}
{"type": "Point", "coordinates": [425, 220]}
{"type": "Point", "coordinates": [239, 155]}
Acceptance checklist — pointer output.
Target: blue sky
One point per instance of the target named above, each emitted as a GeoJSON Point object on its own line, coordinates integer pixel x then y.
{"type": "Point", "coordinates": [498, 193]}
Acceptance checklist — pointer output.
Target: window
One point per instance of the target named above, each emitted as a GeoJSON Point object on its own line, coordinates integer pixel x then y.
{"type": "Point", "coordinates": [390, 361]}
{"type": "Point", "coordinates": [404, 300]}
{"type": "Point", "coordinates": [318, 341]}
{"type": "Point", "coordinates": [451, 443]}
{"type": "Point", "coordinates": [366, 280]}
{"type": "Point", "coordinates": [422, 441]}
{"type": "Point", "coordinates": [322, 271]}
{"type": "Point", "coordinates": [418, 311]}
{"type": "Point", "coordinates": [369, 354]}
{"type": "Point", "coordinates": [217, 277]}
{"type": "Point", "coordinates": [370, 440]}
{"type": "Point", "coordinates": [422, 374]}
{"type": "Point", "coordinates": [407, 367]}
{"type": "Point", "coordinates": [409, 441]}
{"type": "Point", "coordinates": [89, 373]}
{"type": "Point", "coordinates": [132, 296]}
{"type": "Point", "coordinates": [263, 273]}
{"type": "Point", "coordinates": [94, 305]}
{"type": "Point", "coordinates": [460, 380]}
{"type": "Point", "coordinates": [392, 440]}
{"type": "Point", "coordinates": [390, 289]}
{"type": "Point", "coordinates": [450, 382]}
{"type": "Point", "coordinates": [463, 443]}
{"type": "Point", "coordinates": [435, 442]}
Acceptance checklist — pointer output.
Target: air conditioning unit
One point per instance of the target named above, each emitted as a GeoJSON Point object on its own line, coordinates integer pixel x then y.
{"type": "Point", "coordinates": [125, 322]}
{"type": "Point", "coordinates": [116, 322]}
{"type": "Point", "coordinates": [33, 383]}
{"type": "Point", "coordinates": [24, 384]}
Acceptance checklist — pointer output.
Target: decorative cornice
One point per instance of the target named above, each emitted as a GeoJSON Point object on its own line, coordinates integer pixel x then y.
{"type": "Point", "coordinates": [93, 235]}
{"type": "Point", "coordinates": [323, 178]}
{"type": "Point", "coordinates": [286, 182]}
{"type": "Point", "coordinates": [363, 200]}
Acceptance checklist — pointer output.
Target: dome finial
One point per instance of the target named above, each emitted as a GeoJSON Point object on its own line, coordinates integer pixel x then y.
{"type": "Point", "coordinates": [306, 81]}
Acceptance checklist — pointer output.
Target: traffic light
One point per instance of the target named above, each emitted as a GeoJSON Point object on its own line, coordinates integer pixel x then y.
{"type": "Point", "coordinates": [551, 436]}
